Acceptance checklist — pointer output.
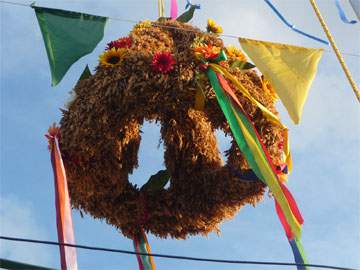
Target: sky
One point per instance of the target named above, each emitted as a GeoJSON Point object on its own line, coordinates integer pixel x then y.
{"type": "Point", "coordinates": [325, 146]}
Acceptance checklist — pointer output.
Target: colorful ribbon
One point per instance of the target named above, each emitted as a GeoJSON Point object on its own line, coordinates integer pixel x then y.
{"type": "Point", "coordinates": [62, 203]}
{"type": "Point", "coordinates": [342, 13]}
{"type": "Point", "coordinates": [141, 245]}
{"type": "Point", "coordinates": [255, 152]}
{"type": "Point", "coordinates": [267, 114]}
{"type": "Point", "coordinates": [173, 9]}
{"type": "Point", "coordinates": [291, 26]}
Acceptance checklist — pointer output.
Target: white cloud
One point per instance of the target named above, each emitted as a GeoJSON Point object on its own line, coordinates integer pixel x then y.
{"type": "Point", "coordinates": [18, 220]}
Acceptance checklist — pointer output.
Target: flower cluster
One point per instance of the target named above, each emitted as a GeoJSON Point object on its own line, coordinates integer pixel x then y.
{"type": "Point", "coordinates": [163, 62]}
{"type": "Point", "coordinates": [114, 52]}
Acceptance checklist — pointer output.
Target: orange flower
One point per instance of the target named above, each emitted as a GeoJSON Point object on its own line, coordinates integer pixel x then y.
{"type": "Point", "coordinates": [207, 52]}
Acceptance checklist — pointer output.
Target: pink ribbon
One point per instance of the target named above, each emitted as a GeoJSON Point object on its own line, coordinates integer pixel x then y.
{"type": "Point", "coordinates": [173, 9]}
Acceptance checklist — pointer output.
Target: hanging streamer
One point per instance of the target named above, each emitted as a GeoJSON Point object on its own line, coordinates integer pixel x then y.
{"type": "Point", "coordinates": [248, 141]}
{"type": "Point", "coordinates": [291, 26]}
{"type": "Point", "coordinates": [173, 9]}
{"type": "Point", "coordinates": [342, 13]}
{"type": "Point", "coordinates": [161, 8]}
{"type": "Point", "coordinates": [141, 245]}
{"type": "Point", "coordinates": [62, 203]}
{"type": "Point", "coordinates": [255, 152]}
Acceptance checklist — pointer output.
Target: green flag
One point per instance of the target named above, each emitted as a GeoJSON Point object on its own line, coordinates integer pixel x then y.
{"type": "Point", "coordinates": [86, 73]}
{"type": "Point", "coordinates": [68, 36]}
{"type": "Point", "coordinates": [187, 15]}
{"type": "Point", "coordinates": [13, 265]}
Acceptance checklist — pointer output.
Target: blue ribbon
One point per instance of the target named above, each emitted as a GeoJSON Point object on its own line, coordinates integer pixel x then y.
{"type": "Point", "coordinates": [297, 254]}
{"type": "Point", "coordinates": [291, 26]}
{"type": "Point", "coordinates": [342, 13]}
{"type": "Point", "coordinates": [189, 4]}
{"type": "Point", "coordinates": [247, 175]}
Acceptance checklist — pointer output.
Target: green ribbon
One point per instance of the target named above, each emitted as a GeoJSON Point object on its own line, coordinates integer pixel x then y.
{"type": "Point", "coordinates": [228, 111]}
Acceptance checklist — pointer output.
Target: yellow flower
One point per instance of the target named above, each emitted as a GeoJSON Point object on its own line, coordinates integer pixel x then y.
{"type": "Point", "coordinates": [267, 87]}
{"type": "Point", "coordinates": [213, 27]}
{"type": "Point", "coordinates": [233, 52]}
{"type": "Point", "coordinates": [142, 25]}
{"type": "Point", "coordinates": [112, 57]}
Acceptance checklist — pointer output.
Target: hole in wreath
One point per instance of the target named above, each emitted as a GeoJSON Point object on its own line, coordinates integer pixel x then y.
{"type": "Point", "coordinates": [151, 155]}
{"type": "Point", "coordinates": [224, 143]}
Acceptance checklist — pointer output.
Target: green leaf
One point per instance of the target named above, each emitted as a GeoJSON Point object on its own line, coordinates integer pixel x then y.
{"type": "Point", "coordinates": [242, 65]}
{"type": "Point", "coordinates": [157, 181]}
{"type": "Point", "coordinates": [187, 15]}
{"type": "Point", "coordinates": [85, 74]}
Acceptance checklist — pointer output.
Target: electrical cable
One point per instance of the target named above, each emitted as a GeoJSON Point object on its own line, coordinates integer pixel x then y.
{"type": "Point", "coordinates": [163, 26]}
{"type": "Point", "coordinates": [172, 256]}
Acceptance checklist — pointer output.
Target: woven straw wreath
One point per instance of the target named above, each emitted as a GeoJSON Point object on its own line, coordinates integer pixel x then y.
{"type": "Point", "coordinates": [101, 136]}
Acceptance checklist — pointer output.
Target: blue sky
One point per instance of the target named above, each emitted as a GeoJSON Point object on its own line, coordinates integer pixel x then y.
{"type": "Point", "coordinates": [325, 146]}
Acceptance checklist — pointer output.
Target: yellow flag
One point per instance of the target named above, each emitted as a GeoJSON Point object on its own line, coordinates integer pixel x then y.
{"type": "Point", "coordinates": [290, 70]}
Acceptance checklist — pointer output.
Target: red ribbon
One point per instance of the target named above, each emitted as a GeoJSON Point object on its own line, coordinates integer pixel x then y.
{"type": "Point", "coordinates": [62, 203]}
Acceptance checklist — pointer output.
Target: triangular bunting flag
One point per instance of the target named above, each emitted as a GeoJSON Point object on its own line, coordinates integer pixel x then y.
{"type": "Point", "coordinates": [188, 15]}
{"type": "Point", "coordinates": [85, 74]}
{"type": "Point", "coordinates": [68, 36]}
{"type": "Point", "coordinates": [290, 70]}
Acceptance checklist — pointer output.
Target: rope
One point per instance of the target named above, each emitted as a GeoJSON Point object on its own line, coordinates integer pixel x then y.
{"type": "Point", "coordinates": [173, 256]}
{"type": "Point", "coordinates": [336, 50]}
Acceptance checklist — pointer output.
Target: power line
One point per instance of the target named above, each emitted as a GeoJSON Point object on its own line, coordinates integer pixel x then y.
{"type": "Point", "coordinates": [171, 256]}
{"type": "Point", "coordinates": [164, 26]}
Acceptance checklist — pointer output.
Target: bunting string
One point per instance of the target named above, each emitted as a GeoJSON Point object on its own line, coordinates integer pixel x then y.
{"type": "Point", "coordinates": [231, 36]}
{"type": "Point", "coordinates": [291, 26]}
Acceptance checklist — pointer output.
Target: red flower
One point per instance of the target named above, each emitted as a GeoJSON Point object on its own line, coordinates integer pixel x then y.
{"type": "Point", "coordinates": [124, 42]}
{"type": "Point", "coordinates": [163, 62]}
